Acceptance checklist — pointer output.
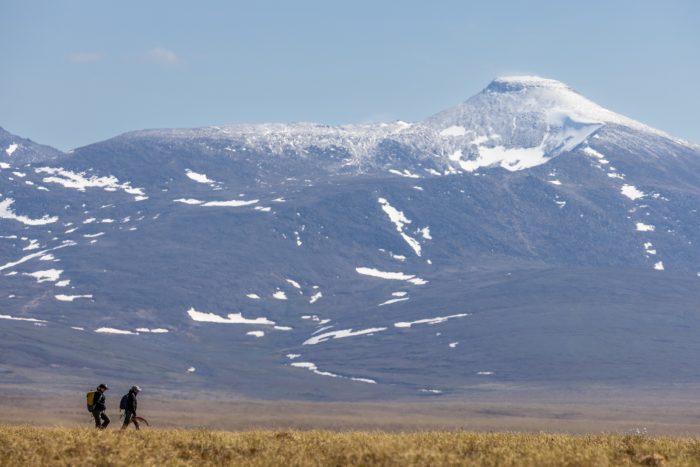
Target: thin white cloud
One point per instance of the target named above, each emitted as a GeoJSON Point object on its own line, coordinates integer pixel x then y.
{"type": "Point", "coordinates": [86, 57]}
{"type": "Point", "coordinates": [162, 56]}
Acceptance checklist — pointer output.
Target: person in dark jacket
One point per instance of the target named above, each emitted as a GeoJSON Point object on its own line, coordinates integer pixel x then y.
{"type": "Point", "coordinates": [130, 411]}
{"type": "Point", "coordinates": [101, 418]}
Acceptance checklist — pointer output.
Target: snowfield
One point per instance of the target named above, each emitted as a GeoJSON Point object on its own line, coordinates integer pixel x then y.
{"type": "Point", "coordinates": [436, 320]}
{"type": "Point", "coordinates": [632, 192]}
{"type": "Point", "coordinates": [397, 276]}
{"type": "Point", "coordinates": [340, 335]}
{"type": "Point", "coordinates": [400, 221]}
{"type": "Point", "coordinates": [7, 213]}
{"type": "Point", "coordinates": [231, 318]}
{"type": "Point", "coordinates": [199, 178]}
{"type": "Point", "coordinates": [70, 298]}
{"type": "Point", "coordinates": [81, 181]}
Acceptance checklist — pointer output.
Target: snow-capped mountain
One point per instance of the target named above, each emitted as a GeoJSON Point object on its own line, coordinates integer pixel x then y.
{"type": "Point", "coordinates": [525, 236]}
{"type": "Point", "coordinates": [516, 122]}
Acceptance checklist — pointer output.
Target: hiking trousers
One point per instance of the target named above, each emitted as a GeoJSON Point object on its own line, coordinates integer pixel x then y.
{"type": "Point", "coordinates": [129, 417]}
{"type": "Point", "coordinates": [101, 419]}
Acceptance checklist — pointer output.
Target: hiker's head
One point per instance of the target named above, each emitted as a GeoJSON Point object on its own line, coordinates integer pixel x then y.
{"type": "Point", "coordinates": [135, 389]}
{"type": "Point", "coordinates": [102, 388]}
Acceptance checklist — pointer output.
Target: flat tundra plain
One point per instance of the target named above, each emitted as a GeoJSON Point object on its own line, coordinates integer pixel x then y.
{"type": "Point", "coordinates": [620, 429]}
{"type": "Point", "coordinates": [624, 412]}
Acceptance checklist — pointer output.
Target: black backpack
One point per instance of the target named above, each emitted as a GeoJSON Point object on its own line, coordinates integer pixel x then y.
{"type": "Point", "coordinates": [124, 403]}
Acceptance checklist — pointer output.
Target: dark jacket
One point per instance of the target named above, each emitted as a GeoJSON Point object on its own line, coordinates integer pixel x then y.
{"type": "Point", "coordinates": [100, 402]}
{"type": "Point", "coordinates": [131, 402]}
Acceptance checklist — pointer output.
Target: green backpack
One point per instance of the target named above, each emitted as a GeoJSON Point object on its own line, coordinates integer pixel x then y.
{"type": "Point", "coordinates": [90, 397]}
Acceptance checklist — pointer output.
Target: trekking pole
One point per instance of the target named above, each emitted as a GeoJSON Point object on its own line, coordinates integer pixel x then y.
{"type": "Point", "coordinates": [141, 419]}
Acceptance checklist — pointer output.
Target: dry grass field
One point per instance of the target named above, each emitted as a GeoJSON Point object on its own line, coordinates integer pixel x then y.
{"type": "Point", "coordinates": [30, 446]}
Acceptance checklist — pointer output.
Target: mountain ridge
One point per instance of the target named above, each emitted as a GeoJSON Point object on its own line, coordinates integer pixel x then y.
{"type": "Point", "coordinates": [474, 134]}
{"type": "Point", "coordinates": [18, 149]}
{"type": "Point", "coordinates": [545, 90]}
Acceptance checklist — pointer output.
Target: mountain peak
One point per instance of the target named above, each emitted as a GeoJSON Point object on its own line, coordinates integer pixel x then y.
{"type": "Point", "coordinates": [534, 105]}
{"type": "Point", "coordinates": [22, 150]}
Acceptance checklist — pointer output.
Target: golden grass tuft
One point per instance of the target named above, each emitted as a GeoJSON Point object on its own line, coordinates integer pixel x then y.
{"type": "Point", "coordinates": [24, 446]}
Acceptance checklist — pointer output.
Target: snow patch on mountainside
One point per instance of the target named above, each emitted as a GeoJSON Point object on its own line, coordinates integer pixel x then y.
{"type": "Point", "coordinates": [436, 320]}
{"type": "Point", "coordinates": [510, 159]}
{"type": "Point", "coordinates": [404, 173]}
{"type": "Point", "coordinates": [315, 297]}
{"type": "Point", "coordinates": [7, 213]}
{"type": "Point", "coordinates": [70, 298]}
{"type": "Point", "coordinates": [397, 276]}
{"type": "Point", "coordinates": [649, 248]}
{"type": "Point", "coordinates": [595, 154]}
{"type": "Point", "coordinates": [49, 275]}
{"type": "Point", "coordinates": [234, 203]}
{"type": "Point", "coordinates": [81, 181]}
{"type": "Point", "coordinates": [400, 220]}
{"type": "Point", "coordinates": [115, 331]}
{"type": "Point", "coordinates": [642, 227]}
{"type": "Point", "coordinates": [279, 295]}
{"type": "Point", "coordinates": [340, 335]}
{"type": "Point", "coordinates": [393, 300]}
{"type": "Point", "coordinates": [632, 192]}
{"type": "Point", "coordinates": [198, 177]}
{"type": "Point", "coordinates": [562, 136]}
{"type": "Point", "coordinates": [188, 201]}
{"type": "Point", "coordinates": [26, 258]}
{"type": "Point", "coordinates": [231, 318]}
{"type": "Point", "coordinates": [313, 368]}
{"type": "Point", "coordinates": [14, 318]}
{"type": "Point", "coordinates": [454, 130]}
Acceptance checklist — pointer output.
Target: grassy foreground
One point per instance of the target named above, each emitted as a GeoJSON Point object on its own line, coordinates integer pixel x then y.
{"type": "Point", "coordinates": [77, 447]}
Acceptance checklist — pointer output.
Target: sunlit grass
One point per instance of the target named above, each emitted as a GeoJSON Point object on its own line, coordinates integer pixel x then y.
{"type": "Point", "coordinates": [82, 447]}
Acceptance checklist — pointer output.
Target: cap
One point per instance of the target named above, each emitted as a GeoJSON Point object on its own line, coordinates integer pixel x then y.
{"type": "Point", "coordinates": [102, 386]}
{"type": "Point", "coordinates": [136, 388]}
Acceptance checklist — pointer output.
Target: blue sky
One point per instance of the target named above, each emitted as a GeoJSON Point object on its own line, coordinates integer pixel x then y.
{"type": "Point", "coordinates": [76, 72]}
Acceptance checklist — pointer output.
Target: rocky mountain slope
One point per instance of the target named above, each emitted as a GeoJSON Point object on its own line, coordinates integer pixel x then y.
{"type": "Point", "coordinates": [524, 237]}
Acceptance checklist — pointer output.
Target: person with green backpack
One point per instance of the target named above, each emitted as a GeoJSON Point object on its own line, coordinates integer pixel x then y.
{"type": "Point", "coordinates": [97, 405]}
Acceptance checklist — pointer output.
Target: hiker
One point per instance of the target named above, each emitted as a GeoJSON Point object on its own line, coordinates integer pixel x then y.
{"type": "Point", "coordinates": [128, 404]}
{"type": "Point", "coordinates": [99, 407]}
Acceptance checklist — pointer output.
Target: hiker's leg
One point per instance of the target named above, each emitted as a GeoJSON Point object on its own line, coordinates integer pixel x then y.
{"type": "Point", "coordinates": [96, 416]}
{"type": "Point", "coordinates": [105, 420]}
{"type": "Point", "coordinates": [127, 419]}
{"type": "Point", "coordinates": [136, 424]}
